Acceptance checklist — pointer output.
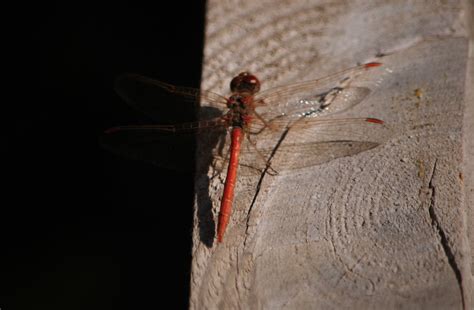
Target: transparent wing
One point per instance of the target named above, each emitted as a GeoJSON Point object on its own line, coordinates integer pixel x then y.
{"type": "Point", "coordinates": [170, 144]}
{"type": "Point", "coordinates": [166, 103]}
{"type": "Point", "coordinates": [323, 96]}
{"type": "Point", "coordinates": [171, 147]}
{"type": "Point", "coordinates": [310, 142]}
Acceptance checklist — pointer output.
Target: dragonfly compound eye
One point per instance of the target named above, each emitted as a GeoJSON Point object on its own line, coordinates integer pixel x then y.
{"type": "Point", "coordinates": [245, 83]}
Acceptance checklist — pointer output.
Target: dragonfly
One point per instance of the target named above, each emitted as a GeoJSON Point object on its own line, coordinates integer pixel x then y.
{"type": "Point", "coordinates": [286, 127]}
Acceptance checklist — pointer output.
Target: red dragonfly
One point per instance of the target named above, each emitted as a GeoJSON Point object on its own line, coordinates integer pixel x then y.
{"type": "Point", "coordinates": [286, 127]}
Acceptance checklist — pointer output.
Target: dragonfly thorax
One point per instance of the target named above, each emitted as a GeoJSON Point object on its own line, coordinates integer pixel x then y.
{"type": "Point", "coordinates": [238, 102]}
{"type": "Point", "coordinates": [239, 109]}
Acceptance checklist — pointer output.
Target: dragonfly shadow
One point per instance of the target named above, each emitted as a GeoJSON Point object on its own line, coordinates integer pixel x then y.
{"type": "Point", "coordinates": [208, 143]}
{"type": "Point", "coordinates": [206, 223]}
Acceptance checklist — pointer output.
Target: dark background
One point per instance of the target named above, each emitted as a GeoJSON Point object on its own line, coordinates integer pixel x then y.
{"type": "Point", "coordinates": [86, 229]}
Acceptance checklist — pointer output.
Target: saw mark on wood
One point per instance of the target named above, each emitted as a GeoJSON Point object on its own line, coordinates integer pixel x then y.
{"type": "Point", "coordinates": [442, 235]}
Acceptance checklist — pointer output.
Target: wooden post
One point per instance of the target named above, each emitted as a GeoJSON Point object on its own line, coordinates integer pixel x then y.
{"type": "Point", "coordinates": [383, 229]}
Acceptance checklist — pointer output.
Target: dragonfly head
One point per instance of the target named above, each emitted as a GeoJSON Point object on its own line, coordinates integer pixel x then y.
{"type": "Point", "coordinates": [245, 83]}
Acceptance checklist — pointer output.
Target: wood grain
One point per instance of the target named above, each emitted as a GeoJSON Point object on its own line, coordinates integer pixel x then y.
{"type": "Point", "coordinates": [385, 228]}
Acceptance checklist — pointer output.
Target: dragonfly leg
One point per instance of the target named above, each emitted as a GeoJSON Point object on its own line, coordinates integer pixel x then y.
{"type": "Point", "coordinates": [219, 159]}
{"type": "Point", "coordinates": [266, 124]}
{"type": "Point", "coordinates": [219, 167]}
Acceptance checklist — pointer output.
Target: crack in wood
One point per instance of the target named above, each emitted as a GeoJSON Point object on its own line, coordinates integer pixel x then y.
{"type": "Point", "coordinates": [237, 277]}
{"type": "Point", "coordinates": [260, 181]}
{"type": "Point", "coordinates": [443, 238]}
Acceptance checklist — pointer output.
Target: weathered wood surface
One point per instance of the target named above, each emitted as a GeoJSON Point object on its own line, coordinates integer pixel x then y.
{"type": "Point", "coordinates": [468, 133]}
{"type": "Point", "coordinates": [384, 229]}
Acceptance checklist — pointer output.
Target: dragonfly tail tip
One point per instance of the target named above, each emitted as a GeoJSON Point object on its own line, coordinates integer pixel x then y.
{"type": "Point", "coordinates": [372, 64]}
{"type": "Point", "coordinates": [375, 120]}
